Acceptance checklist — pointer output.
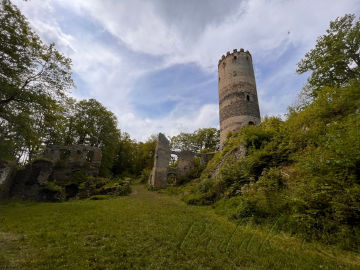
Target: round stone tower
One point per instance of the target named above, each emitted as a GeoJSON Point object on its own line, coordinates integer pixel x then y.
{"type": "Point", "coordinates": [238, 101]}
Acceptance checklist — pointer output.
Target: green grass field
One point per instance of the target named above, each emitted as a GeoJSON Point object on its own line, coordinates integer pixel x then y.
{"type": "Point", "coordinates": [147, 230]}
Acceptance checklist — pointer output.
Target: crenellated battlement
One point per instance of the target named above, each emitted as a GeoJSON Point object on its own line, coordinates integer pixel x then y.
{"type": "Point", "coordinates": [235, 52]}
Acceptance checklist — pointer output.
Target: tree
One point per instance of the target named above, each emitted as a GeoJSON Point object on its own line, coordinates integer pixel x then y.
{"type": "Point", "coordinates": [335, 60]}
{"type": "Point", "coordinates": [94, 125]}
{"type": "Point", "coordinates": [132, 157]}
{"type": "Point", "coordinates": [183, 141]}
{"type": "Point", "coordinates": [146, 151]}
{"type": "Point", "coordinates": [202, 140]}
{"type": "Point", "coordinates": [125, 156]}
{"type": "Point", "coordinates": [207, 139]}
{"type": "Point", "coordinates": [34, 79]}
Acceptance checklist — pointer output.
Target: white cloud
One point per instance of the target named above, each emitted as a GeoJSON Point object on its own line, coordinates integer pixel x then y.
{"type": "Point", "coordinates": [153, 35]}
{"type": "Point", "coordinates": [172, 124]}
{"type": "Point", "coordinates": [107, 73]}
{"type": "Point", "coordinates": [264, 27]}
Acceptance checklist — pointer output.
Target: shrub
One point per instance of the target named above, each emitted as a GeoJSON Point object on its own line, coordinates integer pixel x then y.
{"type": "Point", "coordinates": [303, 173]}
{"type": "Point", "coordinates": [145, 174]}
{"type": "Point", "coordinates": [99, 197]}
{"type": "Point", "coordinates": [205, 193]}
{"type": "Point", "coordinates": [103, 186]}
{"type": "Point", "coordinates": [52, 193]}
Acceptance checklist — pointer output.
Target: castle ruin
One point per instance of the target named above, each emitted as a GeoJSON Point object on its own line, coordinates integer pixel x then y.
{"type": "Point", "coordinates": [238, 101]}
{"type": "Point", "coordinates": [238, 107]}
{"type": "Point", "coordinates": [58, 163]}
{"type": "Point", "coordinates": [161, 171]}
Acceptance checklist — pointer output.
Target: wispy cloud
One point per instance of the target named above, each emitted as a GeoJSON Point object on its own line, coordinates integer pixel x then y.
{"type": "Point", "coordinates": [120, 47]}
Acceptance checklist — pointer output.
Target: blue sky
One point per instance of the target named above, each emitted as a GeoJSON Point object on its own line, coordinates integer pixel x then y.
{"type": "Point", "coordinates": [154, 63]}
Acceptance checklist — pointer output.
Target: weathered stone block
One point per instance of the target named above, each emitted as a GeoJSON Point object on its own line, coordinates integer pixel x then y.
{"type": "Point", "coordinates": [70, 159]}
{"type": "Point", "coordinates": [158, 176]}
{"type": "Point", "coordinates": [186, 162]}
{"type": "Point", "coordinates": [7, 172]}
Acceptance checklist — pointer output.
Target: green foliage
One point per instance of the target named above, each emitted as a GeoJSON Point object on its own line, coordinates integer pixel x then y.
{"type": "Point", "coordinates": [79, 177]}
{"type": "Point", "coordinates": [150, 187]}
{"type": "Point", "coordinates": [335, 59]}
{"type": "Point", "coordinates": [302, 173]}
{"type": "Point", "coordinates": [53, 192]}
{"type": "Point", "coordinates": [53, 187]}
{"type": "Point", "coordinates": [202, 140]}
{"type": "Point", "coordinates": [35, 110]}
{"type": "Point", "coordinates": [148, 231]}
{"type": "Point", "coordinates": [205, 193]}
{"type": "Point", "coordinates": [92, 124]}
{"type": "Point", "coordinates": [34, 80]}
{"type": "Point", "coordinates": [133, 158]}
{"type": "Point", "coordinates": [212, 165]}
{"type": "Point", "coordinates": [104, 186]}
{"type": "Point", "coordinates": [194, 173]}
{"type": "Point", "coordinates": [145, 174]}
{"type": "Point", "coordinates": [116, 187]}
{"type": "Point", "coordinates": [327, 178]}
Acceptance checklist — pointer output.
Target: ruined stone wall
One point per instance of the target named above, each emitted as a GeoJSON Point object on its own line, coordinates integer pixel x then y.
{"type": "Point", "coordinates": [30, 182]}
{"type": "Point", "coordinates": [162, 174]}
{"type": "Point", "coordinates": [7, 172]}
{"type": "Point", "coordinates": [58, 164]}
{"type": "Point", "coordinates": [186, 162]}
{"type": "Point", "coordinates": [69, 159]}
{"type": "Point", "coordinates": [238, 101]}
{"type": "Point", "coordinates": [205, 157]}
{"type": "Point", "coordinates": [158, 176]}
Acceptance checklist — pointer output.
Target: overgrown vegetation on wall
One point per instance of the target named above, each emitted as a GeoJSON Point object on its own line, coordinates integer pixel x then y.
{"type": "Point", "coordinates": [302, 174]}
{"type": "Point", "coordinates": [82, 187]}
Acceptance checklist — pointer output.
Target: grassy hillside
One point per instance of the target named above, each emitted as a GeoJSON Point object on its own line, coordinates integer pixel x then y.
{"type": "Point", "coordinates": [302, 172]}
{"type": "Point", "coordinates": [147, 230]}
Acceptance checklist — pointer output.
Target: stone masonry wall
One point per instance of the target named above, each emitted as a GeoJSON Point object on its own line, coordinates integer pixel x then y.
{"type": "Point", "coordinates": [158, 176]}
{"type": "Point", "coordinates": [7, 172]}
{"type": "Point", "coordinates": [238, 101]}
{"type": "Point", "coordinates": [59, 164]}
{"type": "Point", "coordinates": [185, 162]}
{"type": "Point", "coordinates": [69, 159]}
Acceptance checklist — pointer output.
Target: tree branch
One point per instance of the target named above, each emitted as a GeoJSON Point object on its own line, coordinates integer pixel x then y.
{"type": "Point", "coordinates": [8, 100]}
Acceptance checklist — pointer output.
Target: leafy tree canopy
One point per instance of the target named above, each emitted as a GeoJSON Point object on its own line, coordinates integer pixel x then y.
{"type": "Point", "coordinates": [34, 78]}
{"type": "Point", "coordinates": [205, 139]}
{"type": "Point", "coordinates": [92, 124]}
{"type": "Point", "coordinates": [335, 60]}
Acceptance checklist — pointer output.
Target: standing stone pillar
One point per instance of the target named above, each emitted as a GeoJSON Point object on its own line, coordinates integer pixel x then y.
{"type": "Point", "coordinates": [158, 176]}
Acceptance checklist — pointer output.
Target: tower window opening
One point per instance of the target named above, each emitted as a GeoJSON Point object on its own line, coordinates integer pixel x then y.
{"type": "Point", "coordinates": [247, 97]}
{"type": "Point", "coordinates": [251, 123]}
{"type": "Point", "coordinates": [235, 57]}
